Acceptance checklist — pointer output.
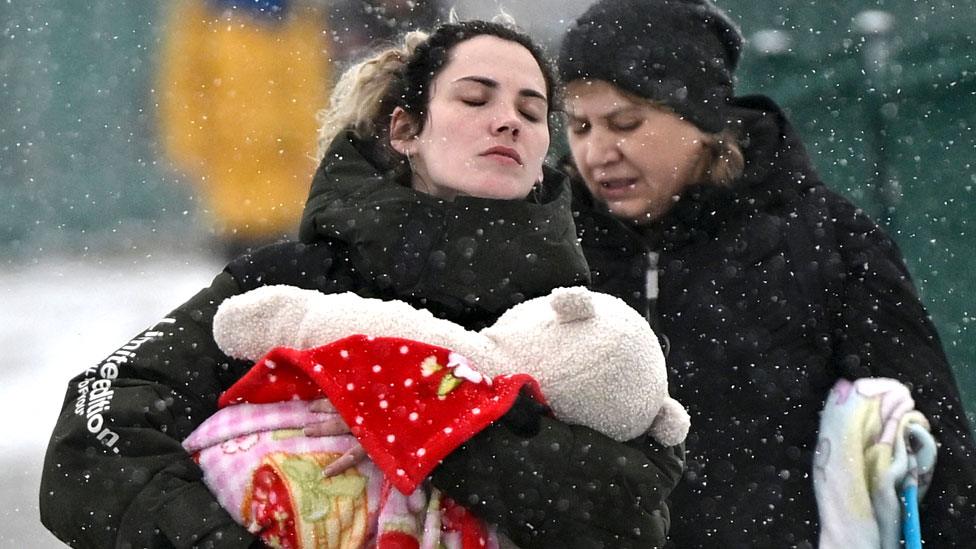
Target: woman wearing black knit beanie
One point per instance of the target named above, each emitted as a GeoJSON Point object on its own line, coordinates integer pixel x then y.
{"type": "Point", "coordinates": [703, 210]}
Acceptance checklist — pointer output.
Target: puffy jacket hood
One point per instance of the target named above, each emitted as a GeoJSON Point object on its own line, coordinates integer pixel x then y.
{"type": "Point", "coordinates": [776, 167]}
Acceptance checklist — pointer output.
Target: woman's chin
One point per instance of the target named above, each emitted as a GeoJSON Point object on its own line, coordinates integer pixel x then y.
{"type": "Point", "coordinates": [499, 190]}
{"type": "Point", "coordinates": [629, 210]}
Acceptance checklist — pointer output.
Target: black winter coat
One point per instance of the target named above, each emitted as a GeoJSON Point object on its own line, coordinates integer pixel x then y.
{"type": "Point", "coordinates": [115, 474]}
{"type": "Point", "coordinates": [769, 292]}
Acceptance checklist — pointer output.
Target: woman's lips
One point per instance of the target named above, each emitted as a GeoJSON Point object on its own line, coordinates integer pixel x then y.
{"type": "Point", "coordinates": [617, 188]}
{"type": "Point", "coordinates": [507, 155]}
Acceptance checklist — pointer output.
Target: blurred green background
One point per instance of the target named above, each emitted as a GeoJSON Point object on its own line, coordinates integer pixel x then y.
{"type": "Point", "coordinates": [884, 93]}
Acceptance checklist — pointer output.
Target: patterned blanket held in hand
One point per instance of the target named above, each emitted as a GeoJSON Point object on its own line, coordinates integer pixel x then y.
{"type": "Point", "coordinates": [872, 443]}
{"type": "Point", "coordinates": [268, 475]}
{"type": "Point", "coordinates": [406, 407]}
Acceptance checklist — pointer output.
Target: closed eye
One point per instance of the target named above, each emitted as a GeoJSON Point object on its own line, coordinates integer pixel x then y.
{"type": "Point", "coordinates": [625, 120]}
{"type": "Point", "coordinates": [533, 113]}
{"type": "Point", "coordinates": [625, 125]}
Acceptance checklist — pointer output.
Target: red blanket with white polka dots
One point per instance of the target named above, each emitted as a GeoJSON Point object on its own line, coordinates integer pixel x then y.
{"type": "Point", "coordinates": [410, 404]}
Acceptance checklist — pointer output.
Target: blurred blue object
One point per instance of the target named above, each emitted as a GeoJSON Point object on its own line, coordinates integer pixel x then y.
{"type": "Point", "coordinates": [255, 7]}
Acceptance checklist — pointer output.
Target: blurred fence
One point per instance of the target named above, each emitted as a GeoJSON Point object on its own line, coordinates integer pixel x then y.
{"type": "Point", "coordinates": [78, 159]}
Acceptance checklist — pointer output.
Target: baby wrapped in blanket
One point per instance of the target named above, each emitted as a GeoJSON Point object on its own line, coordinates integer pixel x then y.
{"type": "Point", "coordinates": [410, 396]}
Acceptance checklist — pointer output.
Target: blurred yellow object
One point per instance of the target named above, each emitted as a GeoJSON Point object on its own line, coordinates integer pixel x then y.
{"type": "Point", "coordinates": [238, 93]}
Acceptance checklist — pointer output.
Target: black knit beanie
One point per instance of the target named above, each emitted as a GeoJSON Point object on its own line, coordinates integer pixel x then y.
{"type": "Point", "coordinates": [681, 53]}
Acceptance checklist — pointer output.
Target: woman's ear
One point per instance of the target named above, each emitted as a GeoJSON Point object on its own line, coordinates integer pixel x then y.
{"type": "Point", "coordinates": [403, 131]}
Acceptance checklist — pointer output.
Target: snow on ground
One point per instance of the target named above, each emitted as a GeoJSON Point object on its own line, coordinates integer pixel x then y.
{"type": "Point", "coordinates": [59, 316]}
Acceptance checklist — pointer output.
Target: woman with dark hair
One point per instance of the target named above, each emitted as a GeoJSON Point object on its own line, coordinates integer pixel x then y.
{"type": "Point", "coordinates": [431, 190]}
{"type": "Point", "coordinates": [702, 210]}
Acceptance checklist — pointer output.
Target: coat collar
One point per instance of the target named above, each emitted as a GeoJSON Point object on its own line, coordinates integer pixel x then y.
{"type": "Point", "coordinates": [468, 253]}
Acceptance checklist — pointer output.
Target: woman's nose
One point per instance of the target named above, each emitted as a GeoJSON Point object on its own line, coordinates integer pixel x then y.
{"type": "Point", "coordinates": [507, 121]}
{"type": "Point", "coordinates": [602, 150]}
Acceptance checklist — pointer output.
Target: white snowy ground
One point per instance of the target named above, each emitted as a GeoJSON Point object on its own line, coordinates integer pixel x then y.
{"type": "Point", "coordinates": [57, 317]}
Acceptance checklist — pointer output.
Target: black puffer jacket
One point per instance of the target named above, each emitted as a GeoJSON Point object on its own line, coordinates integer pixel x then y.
{"type": "Point", "coordinates": [115, 474]}
{"type": "Point", "coordinates": [769, 292]}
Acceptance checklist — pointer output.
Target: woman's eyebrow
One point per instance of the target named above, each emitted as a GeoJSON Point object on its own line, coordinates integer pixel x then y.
{"type": "Point", "coordinates": [621, 110]}
{"type": "Point", "coordinates": [491, 83]}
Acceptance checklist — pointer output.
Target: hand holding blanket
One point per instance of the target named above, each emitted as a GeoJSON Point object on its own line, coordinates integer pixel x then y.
{"type": "Point", "coordinates": [864, 460]}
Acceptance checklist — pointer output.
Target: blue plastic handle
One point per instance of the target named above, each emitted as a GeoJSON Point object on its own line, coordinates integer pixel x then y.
{"type": "Point", "coordinates": [911, 529]}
